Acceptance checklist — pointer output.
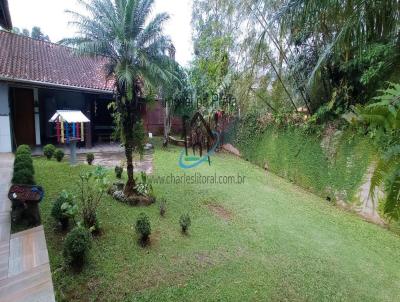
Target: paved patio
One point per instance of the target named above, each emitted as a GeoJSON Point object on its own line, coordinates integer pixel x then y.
{"type": "Point", "coordinates": [107, 155]}
{"type": "Point", "coordinates": [24, 263]}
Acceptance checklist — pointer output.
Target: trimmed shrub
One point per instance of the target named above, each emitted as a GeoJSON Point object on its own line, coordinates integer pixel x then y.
{"type": "Point", "coordinates": [23, 163]}
{"type": "Point", "coordinates": [63, 209]}
{"type": "Point", "coordinates": [49, 150]}
{"type": "Point", "coordinates": [23, 176]}
{"type": "Point", "coordinates": [90, 158]}
{"type": "Point", "coordinates": [118, 171]}
{"type": "Point", "coordinates": [143, 227]}
{"type": "Point", "coordinates": [185, 222]}
{"type": "Point", "coordinates": [163, 207]}
{"type": "Point", "coordinates": [59, 155]}
{"type": "Point", "coordinates": [76, 246]}
{"type": "Point", "coordinates": [23, 149]}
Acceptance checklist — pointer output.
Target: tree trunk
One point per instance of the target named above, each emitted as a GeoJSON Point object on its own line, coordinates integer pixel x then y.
{"type": "Point", "coordinates": [127, 122]}
{"type": "Point", "coordinates": [130, 185]}
{"type": "Point", "coordinates": [167, 124]}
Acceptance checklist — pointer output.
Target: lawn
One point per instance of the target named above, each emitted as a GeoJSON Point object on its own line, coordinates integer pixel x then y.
{"type": "Point", "coordinates": [263, 240]}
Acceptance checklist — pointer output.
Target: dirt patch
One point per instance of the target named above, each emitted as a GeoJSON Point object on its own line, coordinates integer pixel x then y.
{"type": "Point", "coordinates": [220, 211]}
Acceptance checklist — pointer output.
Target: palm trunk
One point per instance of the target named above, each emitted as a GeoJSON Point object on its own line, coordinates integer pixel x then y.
{"type": "Point", "coordinates": [131, 184]}
{"type": "Point", "coordinates": [126, 109]}
{"type": "Point", "coordinates": [167, 124]}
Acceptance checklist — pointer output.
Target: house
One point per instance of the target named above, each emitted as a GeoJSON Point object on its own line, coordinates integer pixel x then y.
{"type": "Point", "coordinates": [36, 79]}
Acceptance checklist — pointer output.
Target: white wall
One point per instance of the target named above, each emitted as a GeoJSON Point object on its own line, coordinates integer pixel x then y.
{"type": "Point", "coordinates": [5, 129]}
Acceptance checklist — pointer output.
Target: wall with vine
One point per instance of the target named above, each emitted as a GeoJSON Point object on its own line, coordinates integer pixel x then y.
{"type": "Point", "coordinates": [333, 166]}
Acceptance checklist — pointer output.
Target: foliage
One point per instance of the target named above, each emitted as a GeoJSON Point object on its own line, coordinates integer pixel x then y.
{"type": "Point", "coordinates": [23, 176]}
{"type": "Point", "coordinates": [76, 246]}
{"type": "Point", "coordinates": [331, 163]}
{"type": "Point", "coordinates": [64, 208]}
{"type": "Point", "coordinates": [163, 207]}
{"type": "Point", "coordinates": [89, 158]}
{"type": "Point", "coordinates": [125, 32]}
{"type": "Point", "coordinates": [92, 186]}
{"type": "Point", "coordinates": [143, 187]}
{"type": "Point", "coordinates": [23, 168]}
{"type": "Point", "coordinates": [118, 171]}
{"type": "Point", "coordinates": [139, 137]}
{"type": "Point", "coordinates": [383, 120]}
{"type": "Point", "coordinates": [59, 155]}
{"type": "Point", "coordinates": [24, 161]}
{"type": "Point", "coordinates": [36, 33]}
{"type": "Point", "coordinates": [185, 222]}
{"type": "Point", "coordinates": [284, 55]}
{"type": "Point", "coordinates": [143, 227]}
{"type": "Point", "coordinates": [49, 150]}
{"type": "Point", "coordinates": [23, 149]}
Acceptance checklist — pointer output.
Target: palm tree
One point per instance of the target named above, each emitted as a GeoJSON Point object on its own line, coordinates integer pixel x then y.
{"type": "Point", "coordinates": [136, 49]}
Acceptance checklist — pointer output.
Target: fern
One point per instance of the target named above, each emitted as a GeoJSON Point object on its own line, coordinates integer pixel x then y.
{"type": "Point", "coordinates": [384, 116]}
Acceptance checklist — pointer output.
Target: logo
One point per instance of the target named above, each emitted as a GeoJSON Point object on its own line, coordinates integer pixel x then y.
{"type": "Point", "coordinates": [200, 138]}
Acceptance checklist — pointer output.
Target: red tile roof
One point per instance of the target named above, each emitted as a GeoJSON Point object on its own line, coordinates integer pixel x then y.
{"type": "Point", "coordinates": [23, 59]}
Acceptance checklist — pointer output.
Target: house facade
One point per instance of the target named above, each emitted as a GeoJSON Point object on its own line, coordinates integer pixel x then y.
{"type": "Point", "coordinates": [36, 79]}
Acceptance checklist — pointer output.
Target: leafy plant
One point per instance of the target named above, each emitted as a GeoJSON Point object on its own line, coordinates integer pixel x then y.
{"type": "Point", "coordinates": [92, 186]}
{"type": "Point", "coordinates": [64, 209]}
{"type": "Point", "coordinates": [163, 207]}
{"type": "Point", "coordinates": [144, 188]}
{"type": "Point", "coordinates": [143, 227]}
{"type": "Point", "coordinates": [59, 155]}
{"type": "Point", "coordinates": [383, 119]}
{"type": "Point", "coordinates": [118, 171]}
{"type": "Point", "coordinates": [90, 158]}
{"type": "Point", "coordinates": [185, 222]}
{"type": "Point", "coordinates": [76, 246]}
{"type": "Point", "coordinates": [49, 150]}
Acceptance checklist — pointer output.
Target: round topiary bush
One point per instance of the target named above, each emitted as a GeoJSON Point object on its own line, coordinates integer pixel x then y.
{"type": "Point", "coordinates": [185, 222]}
{"type": "Point", "coordinates": [59, 155]}
{"type": "Point", "coordinates": [143, 227]}
{"type": "Point", "coordinates": [76, 246]}
{"type": "Point", "coordinates": [49, 150]}
{"type": "Point", "coordinates": [23, 149]}
{"type": "Point", "coordinates": [23, 177]}
{"type": "Point", "coordinates": [90, 158]}
{"type": "Point", "coordinates": [22, 165]}
{"type": "Point", "coordinates": [23, 161]}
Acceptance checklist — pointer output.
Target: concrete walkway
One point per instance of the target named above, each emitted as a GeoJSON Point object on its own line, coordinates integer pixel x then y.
{"type": "Point", "coordinates": [24, 263]}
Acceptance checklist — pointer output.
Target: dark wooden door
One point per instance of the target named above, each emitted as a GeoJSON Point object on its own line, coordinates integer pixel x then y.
{"type": "Point", "coordinates": [23, 116]}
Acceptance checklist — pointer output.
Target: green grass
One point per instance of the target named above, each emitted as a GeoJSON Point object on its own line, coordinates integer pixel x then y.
{"type": "Point", "coordinates": [279, 243]}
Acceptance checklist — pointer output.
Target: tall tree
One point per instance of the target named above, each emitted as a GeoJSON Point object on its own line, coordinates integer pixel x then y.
{"type": "Point", "coordinates": [136, 47]}
{"type": "Point", "coordinates": [37, 34]}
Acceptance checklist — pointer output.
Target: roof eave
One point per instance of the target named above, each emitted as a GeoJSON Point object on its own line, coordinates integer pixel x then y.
{"type": "Point", "coordinates": [7, 24]}
{"type": "Point", "coordinates": [54, 85]}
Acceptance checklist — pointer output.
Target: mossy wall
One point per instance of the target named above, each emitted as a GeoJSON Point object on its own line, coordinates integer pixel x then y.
{"type": "Point", "coordinates": [328, 166]}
